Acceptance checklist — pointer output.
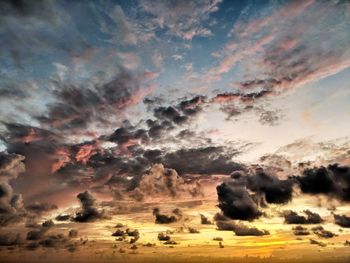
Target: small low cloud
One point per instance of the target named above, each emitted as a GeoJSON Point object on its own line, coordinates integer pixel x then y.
{"type": "Point", "coordinates": [342, 220]}
{"type": "Point", "coordinates": [164, 219]}
{"type": "Point", "coordinates": [89, 211]}
{"type": "Point", "coordinates": [291, 217]}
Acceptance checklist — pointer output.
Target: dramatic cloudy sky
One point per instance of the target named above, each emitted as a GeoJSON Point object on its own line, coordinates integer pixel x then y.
{"type": "Point", "coordinates": [186, 122]}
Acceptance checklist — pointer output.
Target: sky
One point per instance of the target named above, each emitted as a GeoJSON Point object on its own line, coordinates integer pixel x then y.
{"type": "Point", "coordinates": [211, 129]}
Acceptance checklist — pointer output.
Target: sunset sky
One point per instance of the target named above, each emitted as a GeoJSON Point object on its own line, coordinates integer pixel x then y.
{"type": "Point", "coordinates": [151, 130]}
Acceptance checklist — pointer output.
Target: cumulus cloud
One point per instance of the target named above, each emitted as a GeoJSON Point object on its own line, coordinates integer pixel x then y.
{"type": "Point", "coordinates": [291, 217]}
{"type": "Point", "coordinates": [89, 211]}
{"type": "Point", "coordinates": [11, 205]}
{"type": "Point", "coordinates": [321, 232]}
{"type": "Point", "coordinates": [342, 220]}
{"type": "Point", "coordinates": [162, 218]}
{"type": "Point", "coordinates": [237, 202]}
{"type": "Point", "coordinates": [300, 231]}
{"type": "Point", "coordinates": [332, 181]}
{"type": "Point", "coordinates": [205, 220]}
{"type": "Point", "coordinates": [163, 182]}
{"type": "Point", "coordinates": [240, 229]}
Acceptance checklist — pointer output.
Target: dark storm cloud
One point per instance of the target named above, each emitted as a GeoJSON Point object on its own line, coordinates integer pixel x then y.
{"type": "Point", "coordinates": [276, 191]}
{"type": "Point", "coordinates": [89, 211]}
{"type": "Point", "coordinates": [291, 217]}
{"type": "Point", "coordinates": [236, 203]}
{"type": "Point", "coordinates": [332, 181]}
{"type": "Point", "coordinates": [342, 220]}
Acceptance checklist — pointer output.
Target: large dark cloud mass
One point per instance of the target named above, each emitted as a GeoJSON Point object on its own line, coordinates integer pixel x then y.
{"type": "Point", "coordinates": [333, 181]}
{"type": "Point", "coordinates": [237, 202]}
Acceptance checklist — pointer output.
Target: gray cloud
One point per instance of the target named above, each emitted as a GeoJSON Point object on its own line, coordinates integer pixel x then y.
{"type": "Point", "coordinates": [11, 205]}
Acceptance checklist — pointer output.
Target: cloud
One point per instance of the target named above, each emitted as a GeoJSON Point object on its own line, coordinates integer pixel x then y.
{"type": "Point", "coordinates": [11, 205]}
{"type": "Point", "coordinates": [321, 232]}
{"type": "Point", "coordinates": [163, 182]}
{"type": "Point", "coordinates": [89, 212]}
{"type": "Point", "coordinates": [291, 217]}
{"type": "Point", "coordinates": [202, 160]}
{"type": "Point", "coordinates": [243, 230]}
{"type": "Point", "coordinates": [181, 18]}
{"type": "Point", "coordinates": [332, 181]}
{"type": "Point", "coordinates": [162, 218]}
{"type": "Point", "coordinates": [319, 243]}
{"type": "Point", "coordinates": [278, 61]}
{"type": "Point", "coordinates": [85, 105]}
{"type": "Point", "coordinates": [163, 237]}
{"type": "Point", "coordinates": [342, 220]}
{"type": "Point", "coordinates": [276, 191]}
{"type": "Point", "coordinates": [39, 208]}
{"type": "Point", "coordinates": [205, 220]}
{"type": "Point", "coordinates": [22, 19]}
{"type": "Point", "coordinates": [10, 239]}
{"type": "Point", "coordinates": [124, 29]}
{"type": "Point", "coordinates": [62, 217]}
{"type": "Point", "coordinates": [225, 224]}
{"type": "Point", "coordinates": [157, 59]}
{"type": "Point", "coordinates": [300, 231]}
{"type": "Point", "coordinates": [251, 188]}
{"type": "Point", "coordinates": [38, 234]}
{"type": "Point", "coordinates": [236, 203]}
